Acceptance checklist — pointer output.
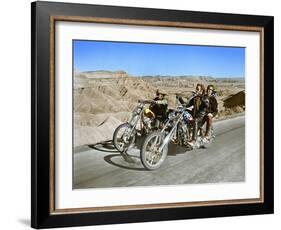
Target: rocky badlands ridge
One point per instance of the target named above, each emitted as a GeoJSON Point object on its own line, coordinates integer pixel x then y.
{"type": "Point", "coordinates": [103, 99]}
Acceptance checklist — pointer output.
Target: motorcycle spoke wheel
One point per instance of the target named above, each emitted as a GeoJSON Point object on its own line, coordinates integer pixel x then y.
{"type": "Point", "coordinates": [122, 139]}
{"type": "Point", "coordinates": [151, 156]}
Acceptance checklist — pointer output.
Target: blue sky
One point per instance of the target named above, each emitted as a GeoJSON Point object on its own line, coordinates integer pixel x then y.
{"type": "Point", "coordinates": [141, 59]}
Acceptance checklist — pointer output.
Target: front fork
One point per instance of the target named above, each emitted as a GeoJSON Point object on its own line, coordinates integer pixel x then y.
{"type": "Point", "coordinates": [169, 136]}
{"type": "Point", "coordinates": [132, 125]}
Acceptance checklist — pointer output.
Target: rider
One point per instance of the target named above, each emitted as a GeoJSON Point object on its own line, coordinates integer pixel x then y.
{"type": "Point", "coordinates": [199, 104]}
{"type": "Point", "coordinates": [160, 104]}
{"type": "Point", "coordinates": [196, 100]}
{"type": "Point", "coordinates": [211, 111]}
{"type": "Point", "coordinates": [158, 107]}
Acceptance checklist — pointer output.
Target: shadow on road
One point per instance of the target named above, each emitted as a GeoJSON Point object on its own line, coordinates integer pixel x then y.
{"type": "Point", "coordinates": [106, 146]}
{"type": "Point", "coordinates": [137, 166]}
{"type": "Point", "coordinates": [175, 149]}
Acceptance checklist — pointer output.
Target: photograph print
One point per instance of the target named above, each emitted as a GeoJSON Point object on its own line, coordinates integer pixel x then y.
{"type": "Point", "coordinates": [152, 114]}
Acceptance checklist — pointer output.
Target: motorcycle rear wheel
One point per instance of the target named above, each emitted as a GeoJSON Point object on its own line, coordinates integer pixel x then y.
{"type": "Point", "coordinates": [151, 157]}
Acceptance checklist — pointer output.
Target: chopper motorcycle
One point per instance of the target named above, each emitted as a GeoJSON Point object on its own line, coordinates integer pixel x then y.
{"type": "Point", "coordinates": [178, 128]}
{"type": "Point", "coordinates": [142, 122]}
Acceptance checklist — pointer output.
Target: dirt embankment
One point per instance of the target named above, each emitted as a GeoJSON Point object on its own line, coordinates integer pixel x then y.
{"type": "Point", "coordinates": [103, 99]}
{"type": "Point", "coordinates": [102, 102]}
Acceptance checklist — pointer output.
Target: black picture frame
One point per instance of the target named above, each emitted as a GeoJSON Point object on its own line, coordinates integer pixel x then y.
{"type": "Point", "coordinates": [43, 14]}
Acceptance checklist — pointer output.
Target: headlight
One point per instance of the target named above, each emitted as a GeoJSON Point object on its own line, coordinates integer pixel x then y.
{"type": "Point", "coordinates": [187, 117]}
{"type": "Point", "coordinates": [137, 110]}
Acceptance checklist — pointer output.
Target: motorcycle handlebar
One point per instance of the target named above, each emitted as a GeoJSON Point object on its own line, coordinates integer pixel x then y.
{"type": "Point", "coordinates": [182, 109]}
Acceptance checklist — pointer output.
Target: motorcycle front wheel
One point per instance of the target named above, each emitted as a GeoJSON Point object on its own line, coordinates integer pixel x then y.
{"type": "Point", "coordinates": [123, 137]}
{"type": "Point", "coordinates": [151, 157]}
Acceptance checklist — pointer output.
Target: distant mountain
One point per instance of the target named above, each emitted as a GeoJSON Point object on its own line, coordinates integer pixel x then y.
{"type": "Point", "coordinates": [100, 74]}
{"type": "Point", "coordinates": [191, 77]}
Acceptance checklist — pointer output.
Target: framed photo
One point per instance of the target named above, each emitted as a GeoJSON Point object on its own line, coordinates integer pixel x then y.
{"type": "Point", "coordinates": [149, 114]}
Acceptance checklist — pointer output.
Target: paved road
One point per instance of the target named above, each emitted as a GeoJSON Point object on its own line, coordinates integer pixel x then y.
{"type": "Point", "coordinates": [222, 161]}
